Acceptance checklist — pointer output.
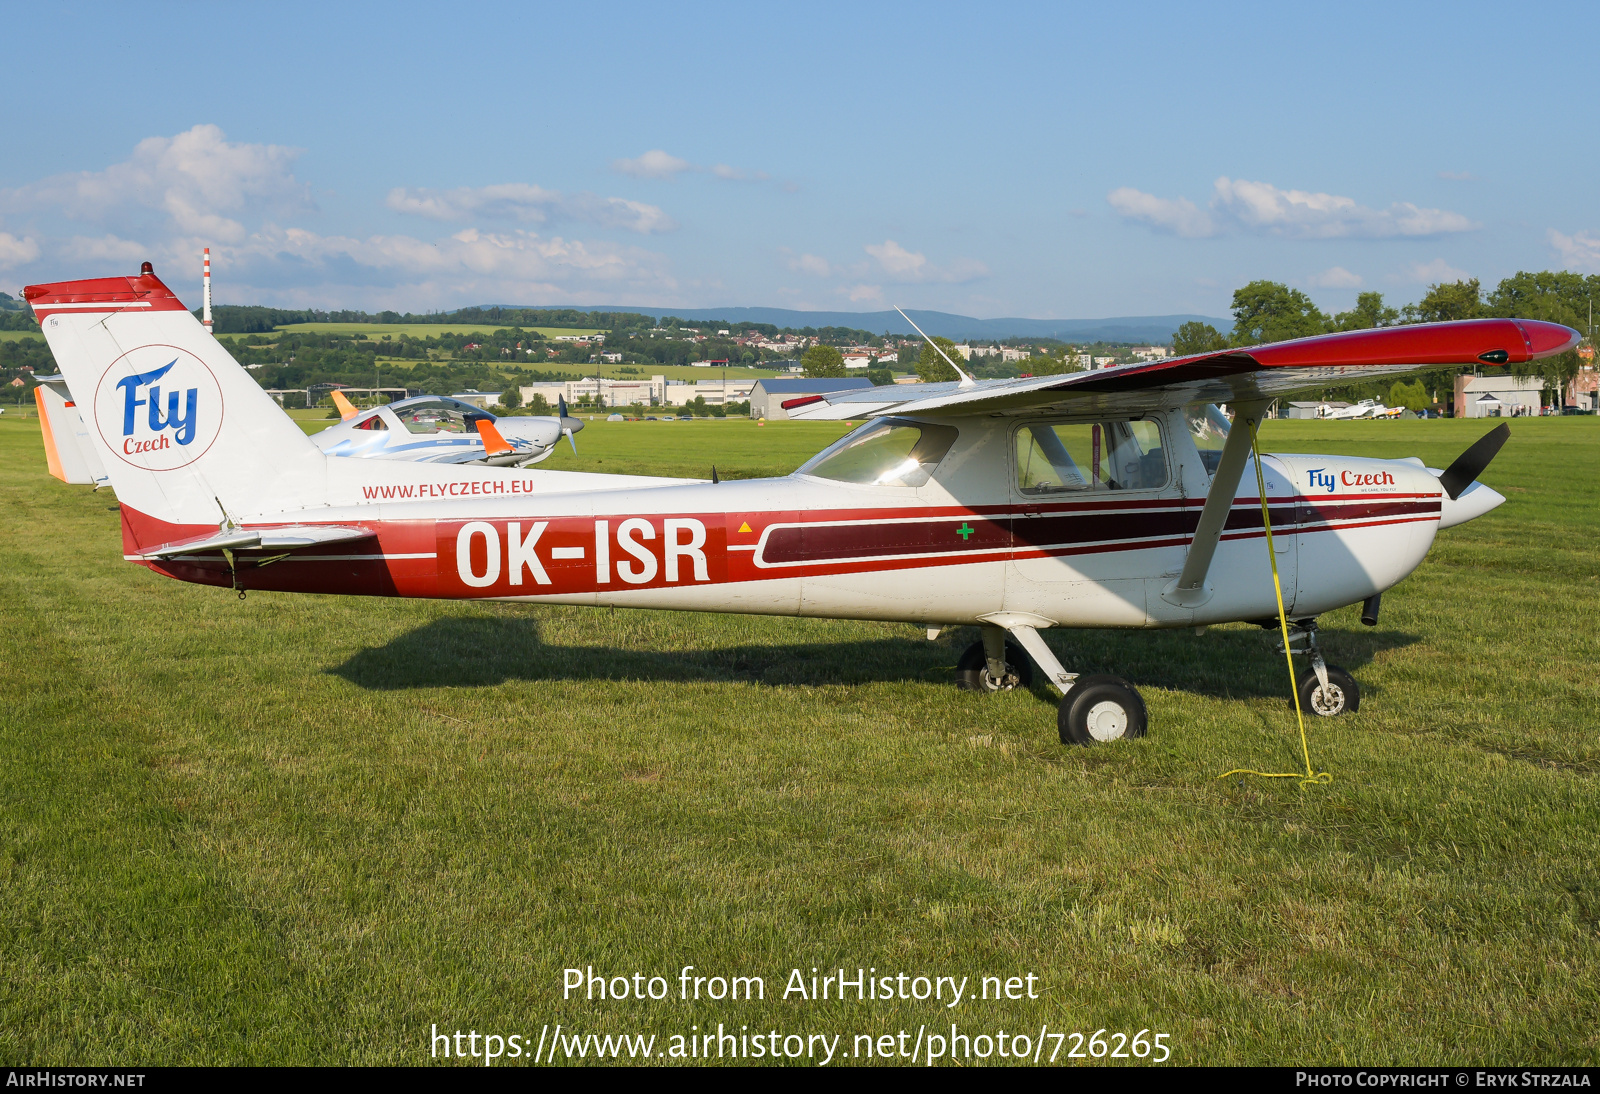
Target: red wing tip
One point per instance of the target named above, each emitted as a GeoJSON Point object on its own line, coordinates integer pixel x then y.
{"type": "Point", "coordinates": [1545, 339]}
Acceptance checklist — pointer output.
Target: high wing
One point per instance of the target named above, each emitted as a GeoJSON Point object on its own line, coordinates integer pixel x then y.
{"type": "Point", "coordinates": [1236, 375]}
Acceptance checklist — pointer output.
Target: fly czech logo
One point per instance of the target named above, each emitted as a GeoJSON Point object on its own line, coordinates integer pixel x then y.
{"type": "Point", "coordinates": [1318, 476]}
{"type": "Point", "coordinates": [158, 408]}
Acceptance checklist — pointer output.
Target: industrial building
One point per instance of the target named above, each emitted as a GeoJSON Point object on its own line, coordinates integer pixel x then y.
{"type": "Point", "coordinates": [767, 396]}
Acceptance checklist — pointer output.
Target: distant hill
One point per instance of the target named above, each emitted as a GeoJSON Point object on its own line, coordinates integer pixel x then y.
{"type": "Point", "coordinates": [1135, 328]}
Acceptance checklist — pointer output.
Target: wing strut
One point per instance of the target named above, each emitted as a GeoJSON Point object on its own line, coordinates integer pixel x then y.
{"type": "Point", "coordinates": [1190, 589]}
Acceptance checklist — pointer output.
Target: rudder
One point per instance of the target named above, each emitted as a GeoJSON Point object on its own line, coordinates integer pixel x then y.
{"type": "Point", "coordinates": [183, 432]}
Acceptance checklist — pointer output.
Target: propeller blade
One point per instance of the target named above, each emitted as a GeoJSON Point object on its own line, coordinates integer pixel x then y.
{"type": "Point", "coordinates": [569, 424]}
{"type": "Point", "coordinates": [1470, 464]}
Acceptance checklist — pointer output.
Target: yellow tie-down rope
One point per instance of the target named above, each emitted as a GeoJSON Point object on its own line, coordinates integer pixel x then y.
{"type": "Point", "coordinates": [1310, 776]}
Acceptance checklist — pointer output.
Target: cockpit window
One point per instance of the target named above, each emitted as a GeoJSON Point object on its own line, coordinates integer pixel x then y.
{"type": "Point", "coordinates": [1073, 456]}
{"type": "Point", "coordinates": [374, 422]}
{"type": "Point", "coordinates": [440, 415]}
{"type": "Point", "coordinates": [886, 452]}
{"type": "Point", "coordinates": [1209, 427]}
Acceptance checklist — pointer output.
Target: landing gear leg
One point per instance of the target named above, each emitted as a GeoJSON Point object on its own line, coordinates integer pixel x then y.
{"type": "Point", "coordinates": [1092, 708]}
{"type": "Point", "coordinates": [993, 664]}
{"type": "Point", "coordinates": [1325, 690]}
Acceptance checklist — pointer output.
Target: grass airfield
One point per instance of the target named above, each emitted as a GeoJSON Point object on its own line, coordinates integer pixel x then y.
{"type": "Point", "coordinates": [301, 829]}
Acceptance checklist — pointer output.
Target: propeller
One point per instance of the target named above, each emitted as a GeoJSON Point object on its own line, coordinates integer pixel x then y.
{"type": "Point", "coordinates": [1470, 464]}
{"type": "Point", "coordinates": [569, 424]}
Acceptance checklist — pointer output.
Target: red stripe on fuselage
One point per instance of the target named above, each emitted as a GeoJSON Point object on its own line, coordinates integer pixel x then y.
{"type": "Point", "coordinates": [420, 558]}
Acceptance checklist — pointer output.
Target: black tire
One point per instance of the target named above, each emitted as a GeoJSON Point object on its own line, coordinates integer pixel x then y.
{"type": "Point", "coordinates": [1099, 709]}
{"type": "Point", "coordinates": [972, 671]}
{"type": "Point", "coordinates": [1345, 697]}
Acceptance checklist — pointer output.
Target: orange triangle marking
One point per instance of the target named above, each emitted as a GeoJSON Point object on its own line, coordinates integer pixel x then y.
{"type": "Point", "coordinates": [745, 527]}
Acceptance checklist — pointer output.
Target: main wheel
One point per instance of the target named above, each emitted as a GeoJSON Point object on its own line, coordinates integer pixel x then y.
{"type": "Point", "coordinates": [1101, 708]}
{"type": "Point", "coordinates": [972, 671]}
{"type": "Point", "coordinates": [1341, 696]}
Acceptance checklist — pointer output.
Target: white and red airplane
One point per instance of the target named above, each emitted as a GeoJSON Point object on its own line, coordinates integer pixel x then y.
{"type": "Point", "coordinates": [437, 429]}
{"type": "Point", "coordinates": [1081, 500]}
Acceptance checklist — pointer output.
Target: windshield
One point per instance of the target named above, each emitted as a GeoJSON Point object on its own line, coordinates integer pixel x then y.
{"type": "Point", "coordinates": [440, 415]}
{"type": "Point", "coordinates": [1209, 427]}
{"type": "Point", "coordinates": [887, 452]}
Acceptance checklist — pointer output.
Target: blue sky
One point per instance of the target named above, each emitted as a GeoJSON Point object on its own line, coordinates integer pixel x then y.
{"type": "Point", "coordinates": [1049, 161]}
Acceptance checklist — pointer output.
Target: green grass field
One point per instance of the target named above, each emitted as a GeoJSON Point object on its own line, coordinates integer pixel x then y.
{"type": "Point", "coordinates": [308, 829]}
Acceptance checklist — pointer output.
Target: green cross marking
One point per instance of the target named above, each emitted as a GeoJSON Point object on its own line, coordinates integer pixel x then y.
{"type": "Point", "coordinates": [965, 531]}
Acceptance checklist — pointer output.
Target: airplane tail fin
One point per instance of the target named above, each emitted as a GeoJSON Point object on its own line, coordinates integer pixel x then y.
{"type": "Point", "coordinates": [347, 409]}
{"type": "Point", "coordinates": [185, 435]}
{"type": "Point", "coordinates": [67, 450]}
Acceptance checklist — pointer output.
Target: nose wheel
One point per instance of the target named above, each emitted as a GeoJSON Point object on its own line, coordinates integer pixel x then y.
{"type": "Point", "coordinates": [1329, 698]}
{"type": "Point", "coordinates": [1325, 690]}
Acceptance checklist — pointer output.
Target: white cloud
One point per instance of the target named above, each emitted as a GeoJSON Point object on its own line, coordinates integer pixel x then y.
{"type": "Point", "coordinates": [1578, 252]}
{"type": "Point", "coordinates": [738, 174]}
{"type": "Point", "coordinates": [1241, 206]}
{"type": "Point", "coordinates": [515, 254]}
{"type": "Point", "coordinates": [1179, 217]}
{"type": "Point", "coordinates": [193, 178]}
{"type": "Point", "coordinates": [108, 249]}
{"type": "Point", "coordinates": [530, 204]}
{"type": "Point", "coordinates": [1436, 272]}
{"type": "Point", "coordinates": [903, 265]}
{"type": "Point", "coordinates": [1335, 277]}
{"type": "Point", "coordinates": [17, 252]}
{"type": "Point", "coordinates": [659, 164]}
{"type": "Point", "coordinates": [654, 164]}
{"type": "Point", "coordinates": [814, 265]}
{"type": "Point", "coordinates": [863, 294]}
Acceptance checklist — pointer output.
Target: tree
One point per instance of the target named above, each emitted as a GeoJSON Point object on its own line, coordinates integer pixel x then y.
{"type": "Point", "coordinates": [1412, 396]}
{"type": "Point", "coordinates": [539, 406]}
{"type": "Point", "coordinates": [931, 367]}
{"type": "Point", "coordinates": [1554, 296]}
{"type": "Point", "coordinates": [1457, 300]}
{"type": "Point", "coordinates": [823, 362]}
{"type": "Point", "coordinates": [1370, 311]}
{"type": "Point", "coordinates": [1266, 311]}
{"type": "Point", "coordinates": [880, 377]}
{"type": "Point", "coordinates": [511, 398]}
{"type": "Point", "coordinates": [1197, 337]}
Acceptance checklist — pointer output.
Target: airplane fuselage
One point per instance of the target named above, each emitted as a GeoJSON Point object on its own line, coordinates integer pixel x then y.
{"type": "Point", "coordinates": [968, 545]}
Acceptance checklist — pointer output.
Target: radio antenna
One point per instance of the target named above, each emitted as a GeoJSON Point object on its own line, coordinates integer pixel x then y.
{"type": "Point", "coordinates": [966, 381]}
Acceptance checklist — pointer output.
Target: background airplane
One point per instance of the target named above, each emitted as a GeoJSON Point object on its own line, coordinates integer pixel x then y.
{"type": "Point", "coordinates": [436, 429]}
{"type": "Point", "coordinates": [1011, 505]}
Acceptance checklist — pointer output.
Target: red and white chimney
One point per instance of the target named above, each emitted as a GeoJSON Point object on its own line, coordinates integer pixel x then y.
{"type": "Point", "coordinates": [205, 307]}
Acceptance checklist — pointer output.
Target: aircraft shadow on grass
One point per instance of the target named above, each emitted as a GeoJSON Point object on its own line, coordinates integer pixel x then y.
{"type": "Point", "coordinates": [471, 651]}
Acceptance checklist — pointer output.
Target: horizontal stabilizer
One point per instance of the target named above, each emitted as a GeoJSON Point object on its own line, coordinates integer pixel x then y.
{"type": "Point", "coordinates": [287, 537]}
